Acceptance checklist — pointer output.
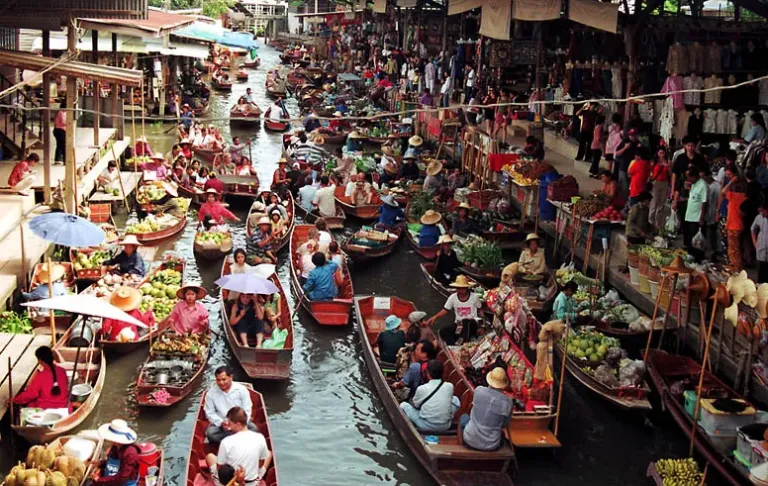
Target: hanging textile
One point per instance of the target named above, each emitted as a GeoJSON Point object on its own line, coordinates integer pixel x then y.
{"type": "Point", "coordinates": [712, 97]}
{"type": "Point", "coordinates": [603, 16]}
{"type": "Point", "coordinates": [536, 10]}
{"type": "Point", "coordinates": [380, 6]}
{"type": "Point", "coordinates": [692, 82]}
{"type": "Point", "coordinates": [710, 116]}
{"type": "Point", "coordinates": [667, 120]}
{"type": "Point", "coordinates": [496, 19]}
{"type": "Point", "coordinates": [459, 6]}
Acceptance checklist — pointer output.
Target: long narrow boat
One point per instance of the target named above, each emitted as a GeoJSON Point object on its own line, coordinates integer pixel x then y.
{"type": "Point", "coordinates": [625, 398]}
{"type": "Point", "coordinates": [275, 125]}
{"type": "Point", "coordinates": [221, 84]}
{"type": "Point", "coordinates": [196, 196]}
{"type": "Point", "coordinates": [427, 252]}
{"type": "Point", "coordinates": [240, 186]}
{"type": "Point", "coordinates": [91, 369]}
{"type": "Point", "coordinates": [526, 429]}
{"type": "Point", "coordinates": [242, 76]}
{"type": "Point", "coordinates": [163, 233]}
{"type": "Point", "coordinates": [251, 119]}
{"type": "Point", "coordinates": [449, 462]}
{"type": "Point", "coordinates": [666, 370]}
{"type": "Point", "coordinates": [367, 212]}
{"type": "Point", "coordinates": [334, 312]}
{"type": "Point", "coordinates": [334, 223]}
{"type": "Point", "coordinates": [360, 247]}
{"type": "Point", "coordinates": [290, 208]}
{"type": "Point", "coordinates": [211, 252]}
{"type": "Point", "coordinates": [200, 448]}
{"type": "Point", "coordinates": [488, 277]}
{"type": "Point", "coordinates": [206, 155]}
{"type": "Point", "coordinates": [260, 364]}
{"type": "Point", "coordinates": [428, 270]}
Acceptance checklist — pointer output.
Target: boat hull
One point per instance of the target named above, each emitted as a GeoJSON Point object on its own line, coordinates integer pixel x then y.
{"type": "Point", "coordinates": [368, 212]}
{"type": "Point", "coordinates": [358, 253]}
{"type": "Point", "coordinates": [162, 234]}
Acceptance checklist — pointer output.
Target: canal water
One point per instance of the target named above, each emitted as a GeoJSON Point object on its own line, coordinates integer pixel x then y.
{"type": "Point", "coordinates": [328, 425]}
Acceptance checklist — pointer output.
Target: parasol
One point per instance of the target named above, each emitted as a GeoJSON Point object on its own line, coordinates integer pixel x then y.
{"type": "Point", "coordinates": [86, 305]}
{"type": "Point", "coordinates": [247, 283]}
{"type": "Point", "coordinates": [67, 230]}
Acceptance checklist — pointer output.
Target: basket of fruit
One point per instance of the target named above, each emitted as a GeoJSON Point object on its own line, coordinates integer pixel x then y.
{"type": "Point", "coordinates": [563, 189]}
{"type": "Point", "coordinates": [88, 262]}
{"type": "Point", "coordinates": [682, 472]}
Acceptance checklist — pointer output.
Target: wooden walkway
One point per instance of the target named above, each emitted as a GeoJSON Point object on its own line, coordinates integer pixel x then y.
{"type": "Point", "coordinates": [20, 349]}
{"type": "Point", "coordinates": [130, 182]}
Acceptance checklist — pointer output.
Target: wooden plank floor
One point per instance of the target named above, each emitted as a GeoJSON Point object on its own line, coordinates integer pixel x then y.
{"type": "Point", "coordinates": [20, 348]}
{"type": "Point", "coordinates": [130, 182]}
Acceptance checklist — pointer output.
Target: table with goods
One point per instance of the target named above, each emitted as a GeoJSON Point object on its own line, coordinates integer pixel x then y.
{"type": "Point", "coordinates": [174, 361]}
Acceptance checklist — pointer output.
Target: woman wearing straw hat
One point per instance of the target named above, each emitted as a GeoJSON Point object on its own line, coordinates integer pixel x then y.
{"type": "Point", "coordinates": [354, 142]}
{"type": "Point", "coordinates": [447, 264]}
{"type": "Point", "coordinates": [155, 169]}
{"type": "Point", "coordinates": [128, 260]}
{"type": "Point", "coordinates": [390, 213]}
{"type": "Point", "coordinates": [141, 148]}
{"type": "Point", "coordinates": [430, 232]}
{"type": "Point", "coordinates": [432, 182]}
{"type": "Point", "coordinates": [483, 427]}
{"type": "Point", "coordinates": [127, 299]}
{"type": "Point", "coordinates": [409, 171]}
{"type": "Point", "coordinates": [463, 224]}
{"type": "Point", "coordinates": [212, 207]}
{"type": "Point", "coordinates": [121, 467]}
{"type": "Point", "coordinates": [532, 259]}
{"type": "Point", "coordinates": [465, 306]}
{"type": "Point", "coordinates": [188, 315]}
{"type": "Point", "coordinates": [55, 278]}
{"type": "Point", "coordinates": [415, 143]}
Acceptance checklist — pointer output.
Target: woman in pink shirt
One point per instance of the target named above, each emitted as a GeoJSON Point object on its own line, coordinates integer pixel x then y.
{"type": "Point", "coordinates": [60, 134]}
{"type": "Point", "coordinates": [598, 142]}
{"type": "Point", "coordinates": [615, 135]}
{"type": "Point", "coordinates": [188, 315]}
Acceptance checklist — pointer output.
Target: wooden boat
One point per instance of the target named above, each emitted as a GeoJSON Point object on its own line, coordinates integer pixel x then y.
{"type": "Point", "coordinates": [334, 223]}
{"type": "Point", "coordinates": [367, 213]}
{"type": "Point", "coordinates": [665, 370]}
{"type": "Point", "coordinates": [525, 429]}
{"type": "Point", "coordinates": [260, 364]}
{"type": "Point", "coordinates": [199, 447]}
{"type": "Point", "coordinates": [275, 126]}
{"type": "Point", "coordinates": [252, 118]}
{"type": "Point", "coordinates": [486, 276]}
{"type": "Point", "coordinates": [334, 312]}
{"type": "Point", "coordinates": [428, 252]}
{"type": "Point", "coordinates": [242, 76]}
{"type": "Point", "coordinates": [428, 270]}
{"type": "Point", "coordinates": [240, 186]}
{"type": "Point", "coordinates": [289, 227]}
{"type": "Point", "coordinates": [202, 110]}
{"type": "Point", "coordinates": [209, 252]}
{"type": "Point", "coordinates": [529, 289]}
{"type": "Point", "coordinates": [162, 234]}
{"type": "Point", "coordinates": [88, 274]}
{"type": "Point", "coordinates": [336, 138]}
{"type": "Point", "coordinates": [221, 84]}
{"type": "Point", "coordinates": [91, 369]}
{"type": "Point", "coordinates": [449, 462]}
{"type": "Point", "coordinates": [197, 198]}
{"type": "Point", "coordinates": [206, 155]}
{"type": "Point", "coordinates": [505, 235]}
{"type": "Point", "coordinates": [58, 447]}
{"type": "Point", "coordinates": [252, 63]}
{"type": "Point", "coordinates": [626, 398]}
{"type": "Point", "coordinates": [120, 348]}
{"type": "Point", "coordinates": [360, 248]}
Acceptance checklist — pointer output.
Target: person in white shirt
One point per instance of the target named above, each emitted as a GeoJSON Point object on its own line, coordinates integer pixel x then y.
{"type": "Point", "coordinates": [324, 237]}
{"type": "Point", "coordinates": [245, 448]}
{"type": "Point", "coordinates": [429, 77]}
{"type": "Point", "coordinates": [470, 85]}
{"type": "Point", "coordinates": [325, 199]}
{"type": "Point", "coordinates": [223, 396]}
{"type": "Point", "coordinates": [445, 91]}
{"type": "Point", "coordinates": [465, 306]}
{"type": "Point", "coordinates": [352, 184]}
{"type": "Point", "coordinates": [306, 259]}
{"type": "Point", "coordinates": [434, 404]}
{"type": "Point", "coordinates": [276, 113]}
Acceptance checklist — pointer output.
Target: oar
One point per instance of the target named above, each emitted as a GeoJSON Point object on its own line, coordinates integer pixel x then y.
{"type": "Point", "coordinates": [120, 178]}
{"type": "Point", "coordinates": [562, 372]}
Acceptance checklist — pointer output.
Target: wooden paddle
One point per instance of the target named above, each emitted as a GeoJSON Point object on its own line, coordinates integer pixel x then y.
{"type": "Point", "coordinates": [120, 178]}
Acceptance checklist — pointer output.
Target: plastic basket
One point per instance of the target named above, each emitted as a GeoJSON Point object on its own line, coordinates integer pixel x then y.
{"type": "Point", "coordinates": [654, 288]}
{"type": "Point", "coordinates": [634, 276]}
{"type": "Point", "coordinates": [101, 213]}
{"type": "Point", "coordinates": [644, 284]}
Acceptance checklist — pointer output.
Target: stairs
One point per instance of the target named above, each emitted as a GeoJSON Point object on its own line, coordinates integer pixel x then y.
{"type": "Point", "coordinates": [20, 121]}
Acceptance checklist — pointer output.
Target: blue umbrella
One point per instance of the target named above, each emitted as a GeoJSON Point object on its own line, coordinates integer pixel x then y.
{"type": "Point", "coordinates": [247, 283]}
{"type": "Point", "coordinates": [67, 230]}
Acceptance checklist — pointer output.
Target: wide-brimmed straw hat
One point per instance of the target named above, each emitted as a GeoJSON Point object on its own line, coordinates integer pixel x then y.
{"type": "Point", "coordinates": [415, 141]}
{"type": "Point", "coordinates": [532, 237]}
{"type": "Point", "coordinates": [389, 200]}
{"type": "Point", "coordinates": [130, 240]}
{"type": "Point", "coordinates": [497, 378]}
{"type": "Point", "coordinates": [392, 322]}
{"type": "Point", "coordinates": [762, 300]}
{"type": "Point", "coordinates": [461, 282]}
{"type": "Point", "coordinates": [126, 298]}
{"type": "Point", "coordinates": [464, 206]}
{"type": "Point", "coordinates": [387, 150]}
{"type": "Point", "coordinates": [211, 190]}
{"type": "Point", "coordinates": [355, 134]}
{"type": "Point", "coordinates": [434, 168]}
{"type": "Point", "coordinates": [431, 217]}
{"type": "Point", "coordinates": [319, 140]}
{"type": "Point", "coordinates": [263, 220]}
{"type": "Point", "coordinates": [200, 291]}
{"type": "Point", "coordinates": [57, 273]}
{"type": "Point", "coordinates": [170, 189]}
{"type": "Point", "coordinates": [445, 239]}
{"type": "Point", "coordinates": [118, 432]}
{"type": "Point", "coordinates": [282, 160]}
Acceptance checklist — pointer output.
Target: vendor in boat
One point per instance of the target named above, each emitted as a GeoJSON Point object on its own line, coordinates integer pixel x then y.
{"type": "Point", "coordinates": [212, 207]}
{"type": "Point", "coordinates": [186, 148]}
{"type": "Point", "coordinates": [391, 340]}
{"type": "Point", "coordinates": [156, 166]}
{"type": "Point", "coordinates": [127, 299]}
{"type": "Point", "coordinates": [433, 183]}
{"type": "Point", "coordinates": [430, 232]}
{"type": "Point", "coordinates": [55, 278]}
{"type": "Point", "coordinates": [388, 165]}
{"type": "Point", "coordinates": [354, 142]}
{"type": "Point", "coordinates": [409, 171]}
{"type": "Point", "coordinates": [324, 280]}
{"type": "Point", "coordinates": [532, 259]}
{"type": "Point", "coordinates": [362, 194]}
{"type": "Point", "coordinates": [110, 178]}
{"type": "Point", "coordinates": [141, 147]}
{"type": "Point", "coordinates": [390, 213]}
{"type": "Point", "coordinates": [128, 260]}
{"type": "Point", "coordinates": [280, 180]}
{"type": "Point", "coordinates": [415, 143]}
{"type": "Point", "coordinates": [189, 315]}
{"type": "Point", "coordinates": [483, 428]}
{"type": "Point", "coordinates": [564, 308]}
{"type": "Point", "coordinates": [122, 465]}
{"type": "Point", "coordinates": [260, 242]}
{"type": "Point", "coordinates": [463, 224]}
{"type": "Point", "coordinates": [48, 387]}
{"type": "Point", "coordinates": [214, 183]}
{"type": "Point", "coordinates": [247, 317]}
{"type": "Point", "coordinates": [447, 264]}
{"type": "Point", "coordinates": [465, 306]}
{"type": "Point", "coordinates": [223, 396]}
{"type": "Point", "coordinates": [434, 404]}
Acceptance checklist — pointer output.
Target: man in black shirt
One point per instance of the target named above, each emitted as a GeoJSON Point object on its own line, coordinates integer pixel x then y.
{"type": "Point", "coordinates": [680, 165]}
{"type": "Point", "coordinates": [625, 154]}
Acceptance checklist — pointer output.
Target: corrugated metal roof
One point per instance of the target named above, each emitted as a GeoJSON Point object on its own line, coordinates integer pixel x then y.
{"type": "Point", "coordinates": [157, 23]}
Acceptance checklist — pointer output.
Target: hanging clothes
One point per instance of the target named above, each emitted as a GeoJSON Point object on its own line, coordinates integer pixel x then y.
{"type": "Point", "coordinates": [677, 59]}
{"type": "Point", "coordinates": [712, 59]}
{"type": "Point", "coordinates": [731, 122]}
{"type": "Point", "coordinates": [617, 85]}
{"type": "Point", "coordinates": [674, 85]}
{"type": "Point", "coordinates": [681, 123]}
{"type": "Point", "coordinates": [721, 122]}
{"type": "Point", "coordinates": [645, 110]}
{"type": "Point", "coordinates": [709, 120]}
{"type": "Point", "coordinates": [712, 97]}
{"type": "Point", "coordinates": [763, 94]}
{"type": "Point", "coordinates": [746, 125]}
{"type": "Point", "coordinates": [667, 121]}
{"type": "Point", "coordinates": [695, 58]}
{"type": "Point", "coordinates": [658, 107]}
{"type": "Point", "coordinates": [692, 82]}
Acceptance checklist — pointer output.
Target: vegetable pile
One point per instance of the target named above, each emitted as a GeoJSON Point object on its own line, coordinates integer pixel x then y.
{"type": "Point", "coordinates": [565, 188]}
{"type": "Point", "coordinates": [109, 283]}
{"type": "Point", "coordinates": [159, 294]}
{"type": "Point", "coordinates": [216, 237]}
{"type": "Point", "coordinates": [92, 260]}
{"type": "Point", "coordinates": [479, 253]}
{"type": "Point", "coordinates": [149, 193]}
{"type": "Point", "coordinates": [15, 323]}
{"type": "Point", "coordinates": [152, 224]}
{"type": "Point", "coordinates": [610, 213]}
{"type": "Point", "coordinates": [171, 344]}
{"type": "Point", "coordinates": [588, 207]}
{"type": "Point", "coordinates": [602, 357]}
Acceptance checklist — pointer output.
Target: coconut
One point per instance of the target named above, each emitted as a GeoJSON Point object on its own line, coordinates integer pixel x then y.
{"type": "Point", "coordinates": [34, 455]}
{"type": "Point", "coordinates": [47, 458]}
{"type": "Point", "coordinates": [56, 478]}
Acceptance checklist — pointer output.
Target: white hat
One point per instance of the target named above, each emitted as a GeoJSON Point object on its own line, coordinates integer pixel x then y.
{"type": "Point", "coordinates": [130, 240]}
{"type": "Point", "coordinates": [117, 432]}
{"type": "Point", "coordinates": [416, 316]}
{"type": "Point", "coordinates": [259, 206]}
{"type": "Point", "coordinates": [389, 200]}
{"type": "Point", "coordinates": [263, 220]}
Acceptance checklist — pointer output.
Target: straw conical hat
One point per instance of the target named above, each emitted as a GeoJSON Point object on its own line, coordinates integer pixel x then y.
{"type": "Point", "coordinates": [434, 168]}
{"type": "Point", "coordinates": [415, 141]}
{"type": "Point", "coordinates": [126, 298]}
{"type": "Point", "coordinates": [431, 217]}
{"type": "Point", "coordinates": [762, 300]}
{"type": "Point", "coordinates": [57, 272]}
{"type": "Point", "coordinates": [461, 282]}
{"type": "Point", "coordinates": [200, 291]}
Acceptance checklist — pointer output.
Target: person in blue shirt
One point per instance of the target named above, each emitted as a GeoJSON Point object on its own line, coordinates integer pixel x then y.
{"type": "Point", "coordinates": [564, 309]}
{"type": "Point", "coordinates": [354, 143]}
{"type": "Point", "coordinates": [757, 130]}
{"type": "Point", "coordinates": [430, 231]}
{"type": "Point", "coordinates": [43, 278]}
{"type": "Point", "coordinates": [321, 284]}
{"type": "Point", "coordinates": [389, 213]}
{"type": "Point", "coordinates": [128, 260]}
{"type": "Point", "coordinates": [311, 122]}
{"type": "Point", "coordinates": [416, 373]}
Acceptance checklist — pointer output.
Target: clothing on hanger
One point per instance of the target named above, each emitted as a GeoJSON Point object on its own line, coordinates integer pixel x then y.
{"type": "Point", "coordinates": [731, 123]}
{"type": "Point", "coordinates": [617, 85]}
{"type": "Point", "coordinates": [746, 125]}
{"type": "Point", "coordinates": [677, 59]}
{"type": "Point", "coordinates": [645, 110]}
{"type": "Point", "coordinates": [658, 106]}
{"type": "Point", "coordinates": [667, 120]}
{"type": "Point", "coordinates": [695, 58]}
{"type": "Point", "coordinates": [712, 58]}
{"type": "Point", "coordinates": [712, 97]}
{"type": "Point", "coordinates": [692, 82]}
{"type": "Point", "coordinates": [721, 122]}
{"type": "Point", "coordinates": [710, 116]}
{"type": "Point", "coordinates": [674, 85]}
{"type": "Point", "coordinates": [681, 123]}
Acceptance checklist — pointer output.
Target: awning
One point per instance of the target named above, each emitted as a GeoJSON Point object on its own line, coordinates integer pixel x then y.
{"type": "Point", "coordinates": [124, 43]}
{"type": "Point", "coordinates": [157, 24]}
{"type": "Point", "coordinates": [195, 51]}
{"type": "Point", "coordinates": [205, 32]}
{"type": "Point", "coordinates": [105, 74]}
{"type": "Point", "coordinates": [323, 14]}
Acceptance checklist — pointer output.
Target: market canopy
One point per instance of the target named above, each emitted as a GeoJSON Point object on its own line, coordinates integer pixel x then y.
{"type": "Point", "coordinates": [125, 44]}
{"type": "Point", "coordinates": [157, 24]}
{"type": "Point", "coordinates": [203, 31]}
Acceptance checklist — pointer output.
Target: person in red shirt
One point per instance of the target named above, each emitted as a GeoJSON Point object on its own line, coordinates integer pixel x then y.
{"type": "Point", "coordinates": [126, 299]}
{"type": "Point", "coordinates": [213, 208]}
{"type": "Point", "coordinates": [186, 148]}
{"type": "Point", "coordinates": [660, 192]}
{"type": "Point", "coordinates": [736, 194]}
{"type": "Point", "coordinates": [142, 147]}
{"type": "Point", "coordinates": [214, 182]}
{"type": "Point", "coordinates": [639, 172]}
{"type": "Point", "coordinates": [384, 82]}
{"type": "Point", "coordinates": [49, 387]}
{"type": "Point", "coordinates": [22, 176]}
{"type": "Point", "coordinates": [121, 466]}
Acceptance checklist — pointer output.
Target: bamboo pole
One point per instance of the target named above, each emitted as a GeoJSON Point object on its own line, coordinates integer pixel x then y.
{"type": "Point", "coordinates": [655, 314]}
{"type": "Point", "coordinates": [51, 316]}
{"type": "Point", "coordinates": [120, 178]}
{"type": "Point", "coordinates": [143, 109]}
{"type": "Point", "coordinates": [10, 387]}
{"type": "Point", "coordinates": [76, 182]}
{"type": "Point", "coordinates": [666, 314]}
{"type": "Point", "coordinates": [697, 409]}
{"type": "Point", "coordinates": [562, 374]}
{"type": "Point", "coordinates": [24, 273]}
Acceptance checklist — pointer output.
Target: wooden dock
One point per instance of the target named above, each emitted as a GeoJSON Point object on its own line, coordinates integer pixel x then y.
{"type": "Point", "coordinates": [130, 183]}
{"type": "Point", "coordinates": [20, 348]}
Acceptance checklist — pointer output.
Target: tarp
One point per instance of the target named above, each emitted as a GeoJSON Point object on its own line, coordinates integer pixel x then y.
{"type": "Point", "coordinates": [496, 19]}
{"type": "Point", "coordinates": [459, 6]}
{"type": "Point", "coordinates": [213, 33]}
{"type": "Point", "coordinates": [243, 40]}
{"type": "Point", "coordinates": [380, 6]}
{"type": "Point", "coordinates": [536, 10]}
{"type": "Point", "coordinates": [603, 16]}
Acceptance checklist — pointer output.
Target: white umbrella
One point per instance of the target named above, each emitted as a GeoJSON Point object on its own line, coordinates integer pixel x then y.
{"type": "Point", "coordinates": [86, 305]}
{"type": "Point", "coordinates": [264, 270]}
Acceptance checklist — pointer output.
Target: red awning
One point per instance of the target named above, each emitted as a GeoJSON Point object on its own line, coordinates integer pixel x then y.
{"type": "Point", "coordinates": [157, 24]}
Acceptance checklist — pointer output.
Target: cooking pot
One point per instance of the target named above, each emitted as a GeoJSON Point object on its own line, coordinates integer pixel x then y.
{"type": "Point", "coordinates": [81, 392]}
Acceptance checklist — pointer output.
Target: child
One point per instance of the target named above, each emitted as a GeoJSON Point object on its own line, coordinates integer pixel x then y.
{"type": "Point", "coordinates": [278, 226]}
{"type": "Point", "coordinates": [759, 232]}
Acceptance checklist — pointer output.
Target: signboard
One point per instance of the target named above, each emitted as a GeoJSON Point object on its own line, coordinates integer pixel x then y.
{"type": "Point", "coordinates": [381, 304]}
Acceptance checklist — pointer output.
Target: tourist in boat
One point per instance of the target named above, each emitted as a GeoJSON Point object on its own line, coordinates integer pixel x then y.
{"type": "Point", "coordinates": [127, 299]}
{"type": "Point", "coordinates": [41, 291]}
{"type": "Point", "coordinates": [363, 192]}
{"type": "Point", "coordinates": [276, 111]}
{"type": "Point", "coordinates": [214, 183]}
{"type": "Point", "coordinates": [352, 184]}
{"type": "Point", "coordinates": [322, 282]}
{"type": "Point", "coordinates": [564, 309]}
{"type": "Point", "coordinates": [447, 264]}
{"type": "Point", "coordinates": [238, 266]}
{"type": "Point", "coordinates": [186, 148]}
{"type": "Point", "coordinates": [188, 180]}
{"type": "Point", "coordinates": [465, 306]}
{"type": "Point", "coordinates": [188, 315]}
{"type": "Point", "coordinates": [412, 338]}
{"type": "Point", "coordinates": [532, 259]}
{"type": "Point", "coordinates": [433, 405]}
{"type": "Point", "coordinates": [227, 166]}
{"type": "Point", "coordinates": [122, 464]}
{"type": "Point", "coordinates": [247, 319]}
{"type": "Point", "coordinates": [212, 207]}
{"type": "Point", "coordinates": [416, 374]}
{"type": "Point", "coordinates": [49, 386]}
{"type": "Point", "coordinates": [22, 177]}
{"type": "Point", "coordinates": [110, 178]}
{"type": "Point", "coordinates": [432, 182]}
{"type": "Point", "coordinates": [483, 428]}
{"type": "Point", "coordinates": [324, 237]}
{"type": "Point", "coordinates": [409, 171]}
{"type": "Point", "coordinates": [244, 168]}
{"type": "Point", "coordinates": [258, 211]}
{"type": "Point", "coordinates": [141, 147]}
{"type": "Point", "coordinates": [177, 174]}
{"type": "Point", "coordinates": [307, 251]}
{"type": "Point", "coordinates": [280, 179]}
{"type": "Point", "coordinates": [391, 340]}
{"type": "Point", "coordinates": [307, 193]}
{"type": "Point", "coordinates": [244, 448]}
{"type": "Point", "coordinates": [248, 96]}
{"type": "Point", "coordinates": [202, 177]}
{"type": "Point", "coordinates": [278, 224]}
{"type": "Point", "coordinates": [430, 232]}
{"type": "Point", "coordinates": [325, 199]}
{"type": "Point", "coordinates": [223, 396]}
{"type": "Point", "coordinates": [244, 106]}
{"type": "Point", "coordinates": [128, 260]}
{"type": "Point", "coordinates": [335, 255]}
{"type": "Point", "coordinates": [463, 224]}
{"type": "Point", "coordinates": [274, 204]}
{"type": "Point", "coordinates": [390, 213]}
{"type": "Point", "coordinates": [237, 149]}
{"type": "Point", "coordinates": [260, 242]}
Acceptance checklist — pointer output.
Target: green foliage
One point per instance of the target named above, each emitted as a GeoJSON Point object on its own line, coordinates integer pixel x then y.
{"type": "Point", "coordinates": [419, 204]}
{"type": "Point", "coordinates": [215, 8]}
{"type": "Point", "coordinates": [211, 8]}
{"type": "Point", "coordinates": [15, 323]}
{"type": "Point", "coordinates": [480, 253]}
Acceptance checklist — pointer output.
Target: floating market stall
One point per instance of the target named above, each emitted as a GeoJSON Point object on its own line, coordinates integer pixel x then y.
{"type": "Point", "coordinates": [154, 228]}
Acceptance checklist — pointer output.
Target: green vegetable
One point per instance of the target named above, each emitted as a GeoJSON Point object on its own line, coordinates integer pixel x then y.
{"type": "Point", "coordinates": [14, 323]}
{"type": "Point", "coordinates": [419, 204]}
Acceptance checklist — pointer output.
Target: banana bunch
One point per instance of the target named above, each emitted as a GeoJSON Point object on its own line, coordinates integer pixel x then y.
{"type": "Point", "coordinates": [679, 472]}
